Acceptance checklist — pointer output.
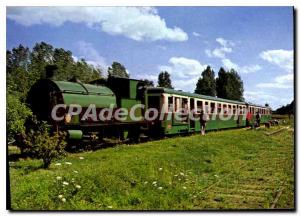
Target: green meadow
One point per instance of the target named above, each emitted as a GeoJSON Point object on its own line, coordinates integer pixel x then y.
{"type": "Point", "coordinates": [229, 169]}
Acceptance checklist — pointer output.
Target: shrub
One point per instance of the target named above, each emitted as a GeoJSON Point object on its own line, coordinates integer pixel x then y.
{"type": "Point", "coordinates": [16, 115]}
{"type": "Point", "coordinates": [40, 144]}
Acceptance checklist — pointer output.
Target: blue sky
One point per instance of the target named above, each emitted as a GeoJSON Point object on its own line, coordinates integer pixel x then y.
{"type": "Point", "coordinates": [256, 41]}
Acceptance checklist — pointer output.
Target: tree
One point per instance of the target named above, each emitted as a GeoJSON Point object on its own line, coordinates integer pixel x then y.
{"type": "Point", "coordinates": [206, 84]}
{"type": "Point", "coordinates": [229, 85]}
{"type": "Point", "coordinates": [16, 115]}
{"type": "Point", "coordinates": [17, 67]}
{"type": "Point", "coordinates": [118, 70]}
{"type": "Point", "coordinates": [221, 83]}
{"type": "Point", "coordinates": [86, 72]}
{"type": "Point", "coordinates": [148, 83]}
{"type": "Point", "coordinates": [164, 80]}
{"type": "Point", "coordinates": [65, 64]}
{"type": "Point", "coordinates": [41, 56]}
{"type": "Point", "coordinates": [288, 109]}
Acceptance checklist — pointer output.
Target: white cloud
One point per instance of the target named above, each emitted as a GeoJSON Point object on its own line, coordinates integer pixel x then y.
{"type": "Point", "coordinates": [183, 67]}
{"type": "Point", "coordinates": [261, 97]}
{"type": "Point", "coordinates": [281, 58]}
{"type": "Point", "coordinates": [91, 55]}
{"type": "Point", "coordinates": [161, 47]}
{"type": "Point", "coordinates": [281, 82]}
{"type": "Point", "coordinates": [219, 52]}
{"type": "Point", "coordinates": [249, 69]}
{"type": "Point", "coordinates": [196, 34]}
{"type": "Point", "coordinates": [226, 47]}
{"type": "Point", "coordinates": [184, 72]}
{"type": "Point", "coordinates": [137, 23]}
{"type": "Point", "coordinates": [224, 43]}
{"type": "Point", "coordinates": [228, 64]}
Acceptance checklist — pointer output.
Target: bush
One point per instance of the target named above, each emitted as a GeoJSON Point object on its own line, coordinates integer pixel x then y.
{"type": "Point", "coordinates": [40, 144]}
{"type": "Point", "coordinates": [16, 115]}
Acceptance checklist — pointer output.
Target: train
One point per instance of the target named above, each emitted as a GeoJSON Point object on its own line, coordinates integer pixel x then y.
{"type": "Point", "coordinates": [88, 100]}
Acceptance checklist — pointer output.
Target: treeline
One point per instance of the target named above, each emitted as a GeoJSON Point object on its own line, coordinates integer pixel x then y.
{"type": "Point", "coordinates": [24, 66]}
{"type": "Point", "coordinates": [288, 109]}
{"type": "Point", "coordinates": [227, 85]}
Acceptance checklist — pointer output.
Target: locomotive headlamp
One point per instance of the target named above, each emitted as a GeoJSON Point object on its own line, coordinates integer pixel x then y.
{"type": "Point", "coordinates": [68, 118]}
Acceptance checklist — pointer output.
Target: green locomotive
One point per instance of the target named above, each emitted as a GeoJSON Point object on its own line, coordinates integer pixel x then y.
{"type": "Point", "coordinates": [89, 111]}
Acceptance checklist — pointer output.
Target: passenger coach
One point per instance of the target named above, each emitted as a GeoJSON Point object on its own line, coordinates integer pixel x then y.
{"type": "Point", "coordinates": [233, 112]}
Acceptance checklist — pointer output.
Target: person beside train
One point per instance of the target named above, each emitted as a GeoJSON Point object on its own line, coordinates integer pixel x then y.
{"type": "Point", "coordinates": [257, 117]}
{"type": "Point", "coordinates": [204, 117]}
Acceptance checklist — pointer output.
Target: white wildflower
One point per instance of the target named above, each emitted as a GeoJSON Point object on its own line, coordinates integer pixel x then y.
{"type": "Point", "coordinates": [160, 169]}
{"type": "Point", "coordinates": [179, 179]}
{"type": "Point", "coordinates": [69, 163]}
{"type": "Point", "coordinates": [57, 164]}
{"type": "Point", "coordinates": [160, 188]}
{"type": "Point", "coordinates": [175, 175]}
{"type": "Point", "coordinates": [58, 177]}
{"type": "Point", "coordinates": [145, 182]}
{"type": "Point", "coordinates": [78, 186]}
{"type": "Point", "coordinates": [72, 180]}
{"type": "Point", "coordinates": [65, 183]}
{"type": "Point", "coordinates": [75, 171]}
{"type": "Point", "coordinates": [184, 187]}
{"type": "Point", "coordinates": [81, 158]}
{"type": "Point", "coordinates": [216, 176]}
{"type": "Point", "coordinates": [110, 207]}
{"type": "Point", "coordinates": [181, 173]}
{"type": "Point", "coordinates": [63, 199]}
{"type": "Point", "coordinates": [60, 196]}
{"type": "Point", "coordinates": [154, 183]}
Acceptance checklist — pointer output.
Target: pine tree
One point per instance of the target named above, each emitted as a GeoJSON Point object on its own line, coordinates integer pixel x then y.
{"type": "Point", "coordinates": [206, 84]}
{"type": "Point", "coordinates": [164, 80]}
{"type": "Point", "coordinates": [229, 85]}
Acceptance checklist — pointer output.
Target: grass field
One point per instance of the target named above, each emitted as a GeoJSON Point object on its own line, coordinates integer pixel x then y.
{"type": "Point", "coordinates": [232, 169]}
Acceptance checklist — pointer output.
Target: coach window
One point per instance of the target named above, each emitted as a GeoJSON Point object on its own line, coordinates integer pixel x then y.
{"type": "Point", "coordinates": [240, 110]}
{"type": "Point", "coordinates": [199, 106]}
{"type": "Point", "coordinates": [224, 108]}
{"type": "Point", "coordinates": [212, 107]}
{"type": "Point", "coordinates": [170, 104]}
{"type": "Point", "coordinates": [229, 109]}
{"type": "Point", "coordinates": [233, 109]}
{"type": "Point", "coordinates": [219, 107]}
{"type": "Point", "coordinates": [184, 103]}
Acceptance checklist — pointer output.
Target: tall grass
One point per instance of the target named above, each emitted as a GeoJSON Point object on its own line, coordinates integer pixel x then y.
{"type": "Point", "coordinates": [230, 169]}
